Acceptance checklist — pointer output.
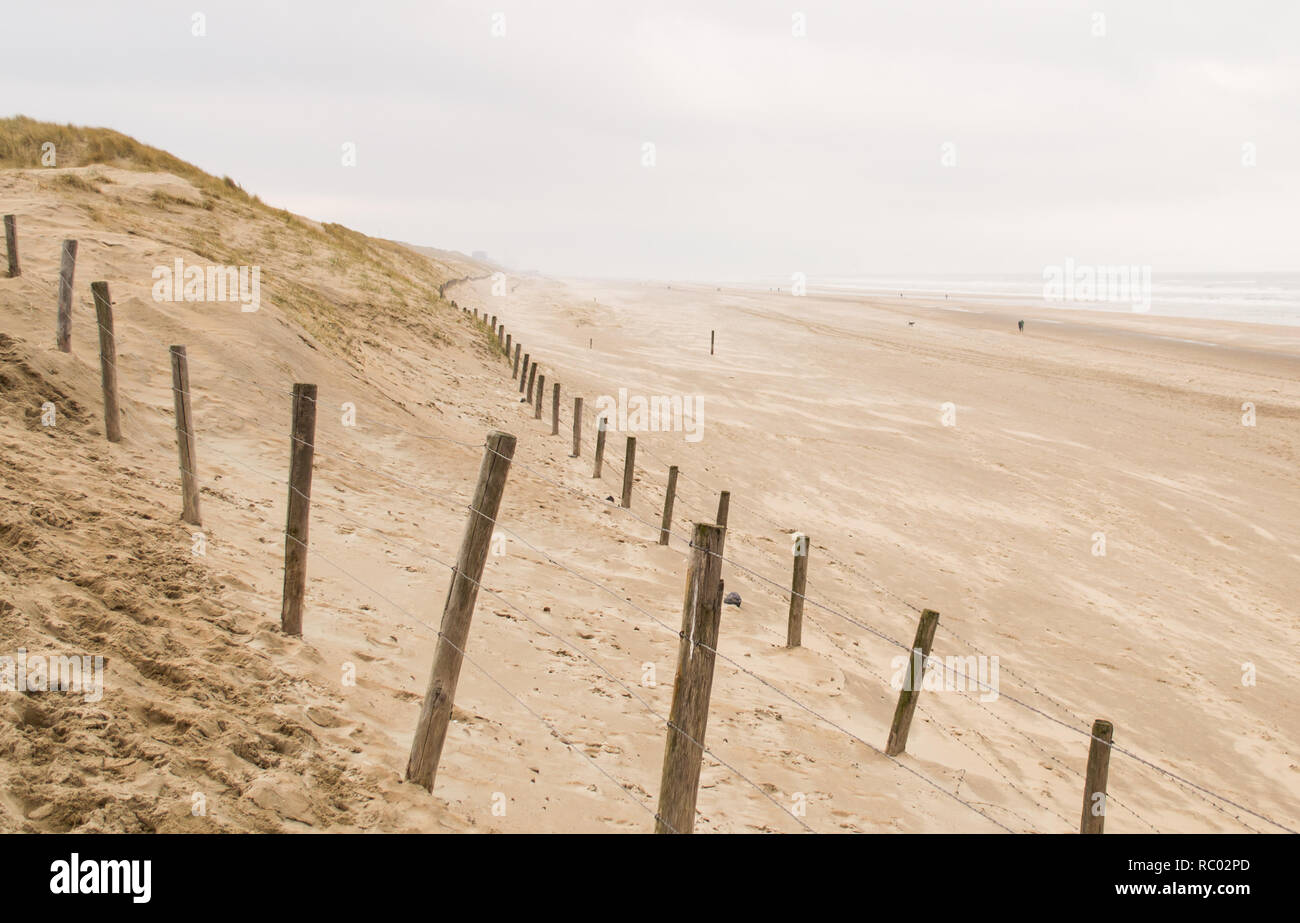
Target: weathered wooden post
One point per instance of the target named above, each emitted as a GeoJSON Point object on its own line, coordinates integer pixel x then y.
{"type": "Point", "coordinates": [724, 507]}
{"type": "Point", "coordinates": [453, 633]}
{"type": "Point", "coordinates": [921, 645]}
{"type": "Point", "coordinates": [509, 338]}
{"type": "Point", "coordinates": [518, 347]}
{"type": "Point", "coordinates": [67, 268]}
{"type": "Point", "coordinates": [555, 409]}
{"type": "Point", "coordinates": [301, 453]}
{"type": "Point", "coordinates": [629, 468]}
{"type": "Point", "coordinates": [601, 426]}
{"type": "Point", "coordinates": [577, 428]}
{"type": "Point", "coordinates": [107, 360]}
{"type": "Point", "coordinates": [798, 586]}
{"type": "Point", "coordinates": [541, 390]}
{"type": "Point", "coordinates": [532, 376]}
{"type": "Point", "coordinates": [689, 716]}
{"type": "Point", "coordinates": [11, 245]}
{"type": "Point", "coordinates": [712, 334]}
{"type": "Point", "coordinates": [185, 435]}
{"type": "Point", "coordinates": [666, 527]}
{"type": "Point", "coordinates": [1094, 785]}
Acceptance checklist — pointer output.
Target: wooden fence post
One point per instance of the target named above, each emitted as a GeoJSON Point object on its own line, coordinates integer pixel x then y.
{"type": "Point", "coordinates": [577, 428]}
{"type": "Point", "coordinates": [712, 334]}
{"type": "Point", "coordinates": [555, 410]}
{"type": "Point", "coordinates": [541, 389]}
{"type": "Point", "coordinates": [185, 435]}
{"type": "Point", "coordinates": [689, 716]}
{"type": "Point", "coordinates": [67, 268]}
{"type": "Point", "coordinates": [518, 347]}
{"type": "Point", "coordinates": [302, 451]}
{"type": "Point", "coordinates": [724, 507]}
{"type": "Point", "coordinates": [509, 338]}
{"type": "Point", "coordinates": [453, 634]}
{"type": "Point", "coordinates": [601, 426]}
{"type": "Point", "coordinates": [11, 245]}
{"type": "Point", "coordinates": [798, 587]}
{"type": "Point", "coordinates": [629, 468]}
{"type": "Point", "coordinates": [107, 360]}
{"type": "Point", "coordinates": [532, 376]}
{"type": "Point", "coordinates": [666, 527]}
{"type": "Point", "coordinates": [1094, 785]}
{"type": "Point", "coordinates": [921, 645]}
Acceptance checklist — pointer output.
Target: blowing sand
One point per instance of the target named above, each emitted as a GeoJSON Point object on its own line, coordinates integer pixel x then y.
{"type": "Point", "coordinates": [820, 415]}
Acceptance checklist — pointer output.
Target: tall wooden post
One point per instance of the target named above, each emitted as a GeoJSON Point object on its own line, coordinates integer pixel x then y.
{"type": "Point", "coordinates": [532, 376]}
{"type": "Point", "coordinates": [629, 468]}
{"type": "Point", "coordinates": [185, 435]}
{"type": "Point", "coordinates": [921, 645]}
{"type": "Point", "coordinates": [107, 360]}
{"type": "Point", "coordinates": [301, 453]}
{"type": "Point", "coordinates": [1094, 785]}
{"type": "Point", "coordinates": [724, 507]}
{"type": "Point", "coordinates": [712, 334]}
{"type": "Point", "coordinates": [509, 338]}
{"type": "Point", "coordinates": [555, 409]}
{"type": "Point", "coordinates": [453, 633]}
{"type": "Point", "coordinates": [601, 426]}
{"type": "Point", "coordinates": [666, 527]}
{"type": "Point", "coordinates": [518, 347]}
{"type": "Point", "coordinates": [67, 268]}
{"type": "Point", "coordinates": [798, 587]}
{"type": "Point", "coordinates": [11, 245]}
{"type": "Point", "coordinates": [541, 389]}
{"type": "Point", "coordinates": [577, 428]}
{"type": "Point", "coordinates": [689, 716]}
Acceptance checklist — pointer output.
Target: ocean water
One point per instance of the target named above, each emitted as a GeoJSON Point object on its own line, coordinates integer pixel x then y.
{"type": "Point", "coordinates": [1260, 298]}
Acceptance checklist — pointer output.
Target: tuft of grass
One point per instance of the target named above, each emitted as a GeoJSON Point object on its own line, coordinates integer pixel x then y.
{"type": "Point", "coordinates": [73, 181]}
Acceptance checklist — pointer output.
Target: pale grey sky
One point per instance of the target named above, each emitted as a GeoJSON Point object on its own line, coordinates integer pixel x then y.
{"type": "Point", "coordinates": [774, 153]}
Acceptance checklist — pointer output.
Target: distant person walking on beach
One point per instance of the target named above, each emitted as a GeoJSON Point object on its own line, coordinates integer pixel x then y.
{"type": "Point", "coordinates": [1022, 326]}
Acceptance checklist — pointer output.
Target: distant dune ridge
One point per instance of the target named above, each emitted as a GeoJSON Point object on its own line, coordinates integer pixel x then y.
{"type": "Point", "coordinates": [934, 457]}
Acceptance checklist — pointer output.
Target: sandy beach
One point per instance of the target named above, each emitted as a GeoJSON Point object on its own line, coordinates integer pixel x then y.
{"type": "Point", "coordinates": [821, 415]}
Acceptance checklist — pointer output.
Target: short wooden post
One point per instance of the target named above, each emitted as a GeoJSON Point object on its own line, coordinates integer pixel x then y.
{"type": "Point", "coordinates": [1094, 784]}
{"type": "Point", "coordinates": [666, 526]}
{"type": "Point", "coordinates": [798, 586]}
{"type": "Point", "coordinates": [724, 507]}
{"type": "Point", "coordinates": [532, 376]}
{"type": "Point", "coordinates": [301, 452]}
{"type": "Point", "coordinates": [518, 347]}
{"type": "Point", "coordinates": [555, 409]}
{"type": "Point", "coordinates": [541, 389]}
{"type": "Point", "coordinates": [629, 468]}
{"type": "Point", "coordinates": [453, 633]}
{"type": "Point", "coordinates": [11, 245]}
{"type": "Point", "coordinates": [601, 426]}
{"type": "Point", "coordinates": [921, 645]}
{"type": "Point", "coordinates": [185, 435]}
{"type": "Point", "coordinates": [689, 716]}
{"type": "Point", "coordinates": [107, 360]}
{"type": "Point", "coordinates": [577, 428]}
{"type": "Point", "coordinates": [67, 268]}
{"type": "Point", "coordinates": [509, 338]}
{"type": "Point", "coordinates": [712, 334]}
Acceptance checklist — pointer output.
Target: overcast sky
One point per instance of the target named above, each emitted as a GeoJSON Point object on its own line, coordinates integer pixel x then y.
{"type": "Point", "coordinates": [773, 152]}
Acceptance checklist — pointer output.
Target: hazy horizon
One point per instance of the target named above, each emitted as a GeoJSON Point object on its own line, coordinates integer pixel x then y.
{"type": "Point", "coordinates": [900, 139]}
